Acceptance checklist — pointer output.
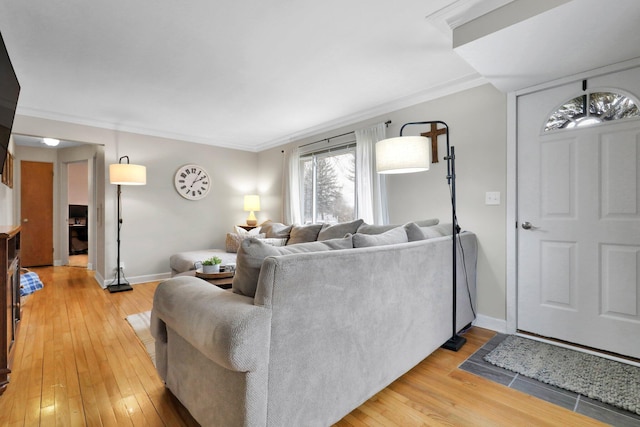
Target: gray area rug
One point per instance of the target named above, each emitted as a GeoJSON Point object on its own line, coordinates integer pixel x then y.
{"type": "Point", "coordinates": [608, 381]}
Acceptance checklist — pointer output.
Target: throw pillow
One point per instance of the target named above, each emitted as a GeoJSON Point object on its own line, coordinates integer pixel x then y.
{"type": "Point", "coordinates": [242, 231]}
{"type": "Point", "coordinates": [275, 229]}
{"type": "Point", "coordinates": [393, 236]}
{"type": "Point", "coordinates": [336, 231]}
{"type": "Point", "coordinates": [414, 232]}
{"type": "Point", "coordinates": [233, 240]}
{"type": "Point", "coordinates": [253, 251]}
{"type": "Point", "coordinates": [378, 229]}
{"type": "Point", "coordinates": [274, 241]}
{"type": "Point", "coordinates": [304, 233]}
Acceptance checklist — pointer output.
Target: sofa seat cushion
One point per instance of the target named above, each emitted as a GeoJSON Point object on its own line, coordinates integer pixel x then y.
{"type": "Point", "coordinates": [253, 251]}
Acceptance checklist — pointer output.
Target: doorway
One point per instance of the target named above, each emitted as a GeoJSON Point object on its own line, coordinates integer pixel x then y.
{"type": "Point", "coordinates": [78, 213]}
{"type": "Point", "coordinates": [32, 148]}
{"type": "Point", "coordinates": [578, 214]}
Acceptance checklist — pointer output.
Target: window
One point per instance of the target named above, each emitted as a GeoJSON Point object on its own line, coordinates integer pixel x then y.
{"type": "Point", "coordinates": [592, 108]}
{"type": "Point", "coordinates": [328, 185]}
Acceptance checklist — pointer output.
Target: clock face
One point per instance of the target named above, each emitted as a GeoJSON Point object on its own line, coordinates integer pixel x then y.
{"type": "Point", "coordinates": [192, 182]}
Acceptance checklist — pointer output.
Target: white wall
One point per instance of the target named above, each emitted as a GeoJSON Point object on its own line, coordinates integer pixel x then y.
{"type": "Point", "coordinates": [477, 122]}
{"type": "Point", "coordinates": [157, 222]}
{"type": "Point", "coordinates": [78, 183]}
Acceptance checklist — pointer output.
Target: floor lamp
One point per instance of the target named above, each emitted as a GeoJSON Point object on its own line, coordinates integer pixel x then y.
{"type": "Point", "coordinates": [124, 174]}
{"type": "Point", "coordinates": [407, 154]}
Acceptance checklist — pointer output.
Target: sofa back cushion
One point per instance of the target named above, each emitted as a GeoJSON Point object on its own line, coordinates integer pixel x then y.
{"type": "Point", "coordinates": [253, 251]}
{"type": "Point", "coordinates": [275, 229]}
{"type": "Point", "coordinates": [337, 231]}
{"type": "Point", "coordinates": [414, 232]}
{"type": "Point", "coordinates": [393, 236]}
{"type": "Point", "coordinates": [304, 233]}
{"type": "Point", "coordinates": [378, 229]}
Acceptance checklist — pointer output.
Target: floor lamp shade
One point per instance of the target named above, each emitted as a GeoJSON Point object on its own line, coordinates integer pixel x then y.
{"type": "Point", "coordinates": [404, 154]}
{"type": "Point", "coordinates": [127, 174]}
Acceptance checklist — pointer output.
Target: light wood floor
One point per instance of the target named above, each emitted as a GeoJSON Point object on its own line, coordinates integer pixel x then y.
{"type": "Point", "coordinates": [77, 362]}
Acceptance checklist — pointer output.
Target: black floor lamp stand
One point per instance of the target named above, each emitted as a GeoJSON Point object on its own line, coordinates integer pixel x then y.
{"type": "Point", "coordinates": [123, 173]}
{"type": "Point", "coordinates": [456, 341]}
{"type": "Point", "coordinates": [120, 283]}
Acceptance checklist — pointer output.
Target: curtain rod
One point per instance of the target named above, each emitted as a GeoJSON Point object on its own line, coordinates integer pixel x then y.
{"type": "Point", "coordinates": [387, 123]}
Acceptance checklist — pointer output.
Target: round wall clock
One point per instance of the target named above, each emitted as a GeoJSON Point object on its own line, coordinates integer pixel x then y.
{"type": "Point", "coordinates": [192, 182]}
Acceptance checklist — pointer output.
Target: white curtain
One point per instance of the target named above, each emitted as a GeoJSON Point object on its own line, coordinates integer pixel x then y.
{"type": "Point", "coordinates": [371, 194]}
{"type": "Point", "coordinates": [291, 184]}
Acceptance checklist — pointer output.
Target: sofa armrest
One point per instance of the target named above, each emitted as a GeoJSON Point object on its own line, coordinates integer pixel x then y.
{"type": "Point", "coordinates": [227, 328]}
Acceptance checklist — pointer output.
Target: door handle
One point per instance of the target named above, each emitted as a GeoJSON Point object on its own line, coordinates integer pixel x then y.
{"type": "Point", "coordinates": [25, 220]}
{"type": "Point", "coordinates": [528, 226]}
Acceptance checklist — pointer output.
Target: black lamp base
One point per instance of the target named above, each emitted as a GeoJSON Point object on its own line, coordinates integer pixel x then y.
{"type": "Point", "coordinates": [119, 288]}
{"type": "Point", "coordinates": [454, 343]}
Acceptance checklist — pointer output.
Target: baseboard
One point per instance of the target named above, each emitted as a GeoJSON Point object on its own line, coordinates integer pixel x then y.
{"type": "Point", "coordinates": [498, 325]}
{"type": "Point", "coordinates": [99, 279]}
{"type": "Point", "coordinates": [139, 279]}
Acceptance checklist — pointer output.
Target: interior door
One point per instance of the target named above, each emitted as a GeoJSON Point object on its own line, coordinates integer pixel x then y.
{"type": "Point", "coordinates": [36, 206]}
{"type": "Point", "coordinates": [579, 223]}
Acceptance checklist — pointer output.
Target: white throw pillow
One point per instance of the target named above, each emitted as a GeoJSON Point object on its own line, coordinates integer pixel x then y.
{"type": "Point", "coordinates": [241, 231]}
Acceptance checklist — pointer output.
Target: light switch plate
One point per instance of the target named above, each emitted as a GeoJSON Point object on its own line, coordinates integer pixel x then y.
{"type": "Point", "coordinates": [492, 198]}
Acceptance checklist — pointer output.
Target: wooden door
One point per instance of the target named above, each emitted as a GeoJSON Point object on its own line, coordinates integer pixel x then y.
{"type": "Point", "coordinates": [36, 205]}
{"type": "Point", "coordinates": [579, 223]}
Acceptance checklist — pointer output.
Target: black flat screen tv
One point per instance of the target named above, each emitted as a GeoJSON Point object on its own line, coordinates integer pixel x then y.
{"type": "Point", "coordinates": [9, 91]}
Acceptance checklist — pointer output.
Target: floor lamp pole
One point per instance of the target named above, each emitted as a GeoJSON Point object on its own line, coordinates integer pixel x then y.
{"type": "Point", "coordinates": [120, 284]}
{"type": "Point", "coordinates": [456, 341]}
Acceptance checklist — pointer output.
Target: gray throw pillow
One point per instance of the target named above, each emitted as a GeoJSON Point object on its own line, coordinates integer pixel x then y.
{"type": "Point", "coordinates": [336, 231]}
{"type": "Point", "coordinates": [253, 251]}
{"type": "Point", "coordinates": [304, 233]}
{"type": "Point", "coordinates": [275, 229]}
{"type": "Point", "coordinates": [393, 236]}
{"type": "Point", "coordinates": [415, 233]}
{"type": "Point", "coordinates": [378, 229]}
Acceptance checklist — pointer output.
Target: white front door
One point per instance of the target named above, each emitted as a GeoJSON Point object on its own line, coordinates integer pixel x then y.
{"type": "Point", "coordinates": [579, 222]}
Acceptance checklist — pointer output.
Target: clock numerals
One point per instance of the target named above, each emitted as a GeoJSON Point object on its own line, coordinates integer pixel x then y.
{"type": "Point", "coordinates": [192, 182]}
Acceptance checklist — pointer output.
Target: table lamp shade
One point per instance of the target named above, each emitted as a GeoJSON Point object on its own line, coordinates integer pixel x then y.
{"type": "Point", "coordinates": [251, 203]}
{"type": "Point", "coordinates": [127, 174]}
{"type": "Point", "coordinates": [404, 154]}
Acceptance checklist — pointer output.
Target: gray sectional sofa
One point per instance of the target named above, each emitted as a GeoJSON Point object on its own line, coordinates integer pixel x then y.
{"type": "Point", "coordinates": [309, 332]}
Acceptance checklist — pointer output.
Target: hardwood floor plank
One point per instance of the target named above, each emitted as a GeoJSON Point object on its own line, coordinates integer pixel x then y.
{"type": "Point", "coordinates": [77, 362]}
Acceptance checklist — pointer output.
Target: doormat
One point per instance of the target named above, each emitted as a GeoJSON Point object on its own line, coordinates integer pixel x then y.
{"type": "Point", "coordinates": [608, 381]}
{"type": "Point", "coordinates": [141, 325]}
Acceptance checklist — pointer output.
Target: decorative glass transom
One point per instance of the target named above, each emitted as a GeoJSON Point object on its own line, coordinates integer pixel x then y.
{"type": "Point", "coordinates": [592, 108]}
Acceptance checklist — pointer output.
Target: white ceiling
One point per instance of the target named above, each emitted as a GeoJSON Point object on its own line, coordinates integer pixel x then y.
{"type": "Point", "coordinates": [253, 74]}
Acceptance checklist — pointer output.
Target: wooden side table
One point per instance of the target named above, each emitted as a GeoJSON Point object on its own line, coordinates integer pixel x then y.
{"type": "Point", "coordinates": [222, 280]}
{"type": "Point", "coordinates": [248, 227]}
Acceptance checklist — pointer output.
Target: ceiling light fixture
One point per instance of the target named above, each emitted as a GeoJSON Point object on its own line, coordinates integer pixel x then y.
{"type": "Point", "coordinates": [51, 142]}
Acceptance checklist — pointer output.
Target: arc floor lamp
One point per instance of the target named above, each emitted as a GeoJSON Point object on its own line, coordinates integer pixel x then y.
{"type": "Point", "coordinates": [407, 154]}
{"type": "Point", "coordinates": [124, 174]}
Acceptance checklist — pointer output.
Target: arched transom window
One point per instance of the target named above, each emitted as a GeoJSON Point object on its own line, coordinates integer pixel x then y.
{"type": "Point", "coordinates": [592, 108]}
